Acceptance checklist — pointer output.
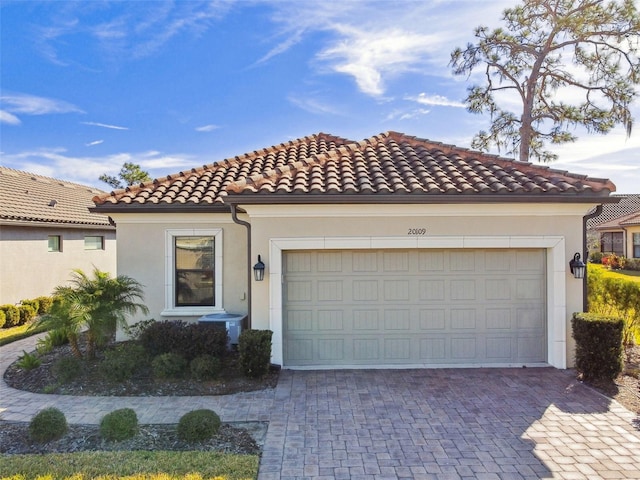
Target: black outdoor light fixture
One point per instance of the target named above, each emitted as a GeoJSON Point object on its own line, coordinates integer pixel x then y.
{"type": "Point", "coordinates": [258, 270]}
{"type": "Point", "coordinates": [577, 266]}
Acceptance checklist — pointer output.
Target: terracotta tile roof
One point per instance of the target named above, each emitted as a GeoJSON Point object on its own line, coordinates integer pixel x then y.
{"type": "Point", "coordinates": [627, 204]}
{"type": "Point", "coordinates": [630, 220]}
{"type": "Point", "coordinates": [25, 197]}
{"type": "Point", "coordinates": [390, 165]}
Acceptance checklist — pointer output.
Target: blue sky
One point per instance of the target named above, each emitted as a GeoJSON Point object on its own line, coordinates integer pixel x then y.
{"type": "Point", "coordinates": [86, 86]}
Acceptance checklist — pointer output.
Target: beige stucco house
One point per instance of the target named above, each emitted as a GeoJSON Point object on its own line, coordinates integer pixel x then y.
{"type": "Point", "coordinates": [389, 252]}
{"type": "Point", "coordinates": [618, 226]}
{"type": "Point", "coordinates": [46, 231]}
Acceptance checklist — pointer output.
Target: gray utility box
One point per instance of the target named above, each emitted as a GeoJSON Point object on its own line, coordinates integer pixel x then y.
{"type": "Point", "coordinates": [230, 322]}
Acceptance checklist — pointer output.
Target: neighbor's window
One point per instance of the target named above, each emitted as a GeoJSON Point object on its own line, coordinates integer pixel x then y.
{"type": "Point", "coordinates": [54, 243]}
{"type": "Point", "coordinates": [194, 268]}
{"type": "Point", "coordinates": [612, 242]}
{"type": "Point", "coordinates": [636, 245]}
{"type": "Point", "coordinates": [94, 243]}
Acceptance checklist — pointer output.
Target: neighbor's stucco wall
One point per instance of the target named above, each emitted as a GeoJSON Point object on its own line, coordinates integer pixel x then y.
{"type": "Point", "coordinates": [29, 270]}
{"type": "Point", "coordinates": [141, 255]}
{"type": "Point", "coordinates": [489, 225]}
{"type": "Point", "coordinates": [630, 231]}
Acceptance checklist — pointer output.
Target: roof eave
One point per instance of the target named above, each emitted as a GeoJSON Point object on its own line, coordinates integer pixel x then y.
{"type": "Point", "coordinates": [159, 208]}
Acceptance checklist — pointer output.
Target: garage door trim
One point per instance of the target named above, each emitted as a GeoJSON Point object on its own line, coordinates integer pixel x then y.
{"type": "Point", "coordinates": [555, 267]}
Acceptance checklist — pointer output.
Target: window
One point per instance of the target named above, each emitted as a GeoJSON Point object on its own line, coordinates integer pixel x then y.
{"type": "Point", "coordinates": [194, 267]}
{"type": "Point", "coordinates": [612, 242]}
{"type": "Point", "coordinates": [94, 243]}
{"type": "Point", "coordinates": [55, 243]}
{"type": "Point", "coordinates": [193, 272]}
{"type": "Point", "coordinates": [636, 245]}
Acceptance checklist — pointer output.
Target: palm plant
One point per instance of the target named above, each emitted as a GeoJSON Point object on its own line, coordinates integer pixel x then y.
{"type": "Point", "coordinates": [100, 304]}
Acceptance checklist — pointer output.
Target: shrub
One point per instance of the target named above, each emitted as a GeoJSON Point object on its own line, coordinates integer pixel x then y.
{"type": "Point", "coordinates": [135, 331]}
{"type": "Point", "coordinates": [121, 362]}
{"type": "Point", "coordinates": [119, 425]}
{"type": "Point", "coordinates": [632, 264]}
{"type": "Point", "coordinates": [66, 369]}
{"type": "Point", "coordinates": [44, 304]}
{"type": "Point", "coordinates": [198, 425]}
{"type": "Point", "coordinates": [27, 313]}
{"type": "Point", "coordinates": [168, 365]}
{"type": "Point", "coordinates": [3, 318]}
{"type": "Point", "coordinates": [28, 361]}
{"type": "Point", "coordinates": [596, 257]}
{"type": "Point", "coordinates": [53, 338]}
{"type": "Point", "coordinates": [205, 367]}
{"type": "Point", "coordinates": [35, 304]}
{"type": "Point", "coordinates": [598, 345]}
{"type": "Point", "coordinates": [190, 340]}
{"type": "Point", "coordinates": [49, 424]}
{"type": "Point", "coordinates": [255, 352]}
{"type": "Point", "coordinates": [12, 315]}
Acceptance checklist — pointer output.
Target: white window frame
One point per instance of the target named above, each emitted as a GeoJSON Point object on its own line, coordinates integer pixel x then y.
{"type": "Point", "coordinates": [92, 246]}
{"type": "Point", "coordinates": [170, 308]}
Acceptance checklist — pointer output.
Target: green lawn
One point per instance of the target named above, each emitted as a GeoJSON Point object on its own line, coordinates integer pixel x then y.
{"type": "Point", "coordinates": [8, 335]}
{"type": "Point", "coordinates": [632, 275]}
{"type": "Point", "coordinates": [130, 465]}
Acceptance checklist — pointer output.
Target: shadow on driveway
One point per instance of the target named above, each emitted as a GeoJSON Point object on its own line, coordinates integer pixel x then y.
{"type": "Point", "coordinates": [449, 423]}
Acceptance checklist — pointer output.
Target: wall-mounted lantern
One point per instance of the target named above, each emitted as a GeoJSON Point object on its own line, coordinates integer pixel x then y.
{"type": "Point", "coordinates": [258, 270]}
{"type": "Point", "coordinates": [577, 266]}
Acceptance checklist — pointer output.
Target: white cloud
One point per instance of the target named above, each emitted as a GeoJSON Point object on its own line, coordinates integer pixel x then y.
{"type": "Point", "coordinates": [95, 142]}
{"type": "Point", "coordinates": [312, 105]}
{"type": "Point", "coordinates": [408, 114]}
{"type": "Point", "coordinates": [57, 163]}
{"type": "Point", "coordinates": [438, 100]}
{"type": "Point", "coordinates": [105, 125]}
{"type": "Point", "coordinates": [25, 104]}
{"type": "Point", "coordinates": [207, 128]}
{"type": "Point", "coordinates": [8, 118]}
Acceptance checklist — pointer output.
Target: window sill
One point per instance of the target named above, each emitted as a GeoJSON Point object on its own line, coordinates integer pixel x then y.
{"type": "Point", "coordinates": [190, 311]}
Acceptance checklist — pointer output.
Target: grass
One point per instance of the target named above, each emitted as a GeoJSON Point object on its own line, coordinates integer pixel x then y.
{"type": "Point", "coordinates": [8, 335]}
{"type": "Point", "coordinates": [631, 275]}
{"type": "Point", "coordinates": [137, 465]}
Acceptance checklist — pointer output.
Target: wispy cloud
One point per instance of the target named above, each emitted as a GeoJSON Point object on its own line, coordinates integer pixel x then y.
{"type": "Point", "coordinates": [207, 128]}
{"type": "Point", "coordinates": [437, 100]}
{"type": "Point", "coordinates": [105, 125]}
{"type": "Point", "coordinates": [408, 114]}
{"type": "Point", "coordinates": [313, 105]}
{"type": "Point", "coordinates": [9, 118]}
{"type": "Point", "coordinates": [15, 104]}
{"type": "Point", "coordinates": [95, 142]}
{"type": "Point", "coordinates": [58, 163]}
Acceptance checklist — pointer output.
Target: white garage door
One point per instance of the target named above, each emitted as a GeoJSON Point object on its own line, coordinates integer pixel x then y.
{"type": "Point", "coordinates": [414, 307]}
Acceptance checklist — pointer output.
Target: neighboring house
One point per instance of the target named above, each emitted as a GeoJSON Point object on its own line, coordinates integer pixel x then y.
{"type": "Point", "coordinates": [390, 252]}
{"type": "Point", "coordinates": [47, 230]}
{"type": "Point", "coordinates": [618, 226]}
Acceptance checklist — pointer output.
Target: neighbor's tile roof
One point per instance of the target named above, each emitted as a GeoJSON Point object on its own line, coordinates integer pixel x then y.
{"type": "Point", "coordinates": [26, 197]}
{"type": "Point", "coordinates": [383, 166]}
{"type": "Point", "coordinates": [628, 204]}
{"type": "Point", "coordinates": [632, 219]}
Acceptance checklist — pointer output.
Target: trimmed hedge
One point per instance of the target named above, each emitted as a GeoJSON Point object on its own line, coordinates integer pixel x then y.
{"type": "Point", "coordinates": [255, 352]}
{"type": "Point", "coordinates": [189, 340]}
{"type": "Point", "coordinates": [119, 425]}
{"type": "Point", "coordinates": [12, 315]}
{"type": "Point", "coordinates": [598, 345]}
{"type": "Point", "coordinates": [49, 424]}
{"type": "Point", "coordinates": [198, 425]}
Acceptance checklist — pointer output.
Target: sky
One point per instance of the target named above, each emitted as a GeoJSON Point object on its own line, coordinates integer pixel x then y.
{"type": "Point", "coordinates": [86, 86]}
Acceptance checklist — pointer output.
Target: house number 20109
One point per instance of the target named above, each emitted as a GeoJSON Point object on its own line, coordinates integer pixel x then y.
{"type": "Point", "coordinates": [417, 231]}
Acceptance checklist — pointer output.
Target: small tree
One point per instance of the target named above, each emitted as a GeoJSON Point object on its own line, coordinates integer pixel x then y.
{"type": "Point", "coordinates": [549, 51]}
{"type": "Point", "coordinates": [130, 173]}
{"type": "Point", "coordinates": [100, 304]}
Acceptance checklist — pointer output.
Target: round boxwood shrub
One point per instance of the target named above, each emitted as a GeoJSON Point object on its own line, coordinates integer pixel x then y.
{"type": "Point", "coordinates": [123, 361]}
{"type": "Point", "coordinates": [44, 304]}
{"type": "Point", "coordinates": [49, 424]}
{"type": "Point", "coordinates": [3, 318]}
{"type": "Point", "coordinates": [119, 425]}
{"type": "Point", "coordinates": [205, 367]}
{"type": "Point", "coordinates": [12, 315]}
{"type": "Point", "coordinates": [198, 425]}
{"type": "Point", "coordinates": [168, 365]}
{"type": "Point", "coordinates": [66, 369]}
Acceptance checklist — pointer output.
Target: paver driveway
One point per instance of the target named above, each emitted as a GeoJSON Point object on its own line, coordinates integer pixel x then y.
{"type": "Point", "coordinates": [471, 423]}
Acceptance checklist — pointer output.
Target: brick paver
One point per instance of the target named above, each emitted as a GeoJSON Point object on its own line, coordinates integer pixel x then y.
{"type": "Point", "coordinates": [384, 424]}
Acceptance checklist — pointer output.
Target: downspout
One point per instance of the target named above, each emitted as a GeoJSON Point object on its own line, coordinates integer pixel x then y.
{"type": "Point", "coordinates": [234, 216]}
{"type": "Point", "coordinates": [585, 254]}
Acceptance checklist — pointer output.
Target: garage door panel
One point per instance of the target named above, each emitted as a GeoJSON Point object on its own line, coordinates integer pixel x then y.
{"type": "Point", "coordinates": [390, 316]}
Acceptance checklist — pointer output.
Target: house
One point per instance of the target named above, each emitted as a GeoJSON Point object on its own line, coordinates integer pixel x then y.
{"type": "Point", "coordinates": [390, 252]}
{"type": "Point", "coordinates": [46, 231]}
{"type": "Point", "coordinates": [617, 227]}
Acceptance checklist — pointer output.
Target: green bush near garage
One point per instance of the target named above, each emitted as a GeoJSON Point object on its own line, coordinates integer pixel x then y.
{"type": "Point", "coordinates": [598, 345]}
